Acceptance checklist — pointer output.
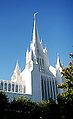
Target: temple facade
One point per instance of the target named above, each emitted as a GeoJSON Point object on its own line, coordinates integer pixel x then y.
{"type": "Point", "coordinates": [38, 81]}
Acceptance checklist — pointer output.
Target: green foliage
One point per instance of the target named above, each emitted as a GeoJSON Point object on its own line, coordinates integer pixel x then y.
{"type": "Point", "coordinates": [3, 101]}
{"type": "Point", "coordinates": [23, 107]}
{"type": "Point", "coordinates": [49, 109]}
{"type": "Point", "coordinates": [65, 101]}
{"type": "Point", "coordinates": [67, 86]}
{"type": "Point", "coordinates": [3, 104]}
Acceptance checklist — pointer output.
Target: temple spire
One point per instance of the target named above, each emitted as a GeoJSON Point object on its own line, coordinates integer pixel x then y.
{"type": "Point", "coordinates": [35, 37]}
{"type": "Point", "coordinates": [58, 61]}
{"type": "Point", "coordinates": [16, 74]}
{"type": "Point", "coordinates": [17, 68]}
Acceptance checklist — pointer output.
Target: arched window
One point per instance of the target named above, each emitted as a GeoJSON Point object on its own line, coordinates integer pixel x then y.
{"type": "Point", "coordinates": [5, 86]}
{"type": "Point", "coordinates": [20, 88]}
{"type": "Point", "coordinates": [12, 87]}
{"type": "Point", "coordinates": [16, 88]}
{"type": "Point", "coordinates": [1, 85]}
{"type": "Point", "coordinates": [9, 87]}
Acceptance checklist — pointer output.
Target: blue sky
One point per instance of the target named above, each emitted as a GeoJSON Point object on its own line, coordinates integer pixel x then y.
{"type": "Point", "coordinates": [55, 25]}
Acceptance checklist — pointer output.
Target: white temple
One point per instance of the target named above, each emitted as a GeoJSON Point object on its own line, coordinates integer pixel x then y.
{"type": "Point", "coordinates": [38, 80]}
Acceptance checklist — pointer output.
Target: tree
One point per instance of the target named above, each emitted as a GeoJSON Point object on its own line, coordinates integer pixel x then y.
{"type": "Point", "coordinates": [3, 101]}
{"type": "Point", "coordinates": [49, 110]}
{"type": "Point", "coordinates": [3, 104]}
{"type": "Point", "coordinates": [22, 108]}
{"type": "Point", "coordinates": [66, 100]}
{"type": "Point", "coordinates": [67, 86]}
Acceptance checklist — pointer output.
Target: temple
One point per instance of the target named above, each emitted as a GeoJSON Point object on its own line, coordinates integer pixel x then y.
{"type": "Point", "coordinates": [38, 80]}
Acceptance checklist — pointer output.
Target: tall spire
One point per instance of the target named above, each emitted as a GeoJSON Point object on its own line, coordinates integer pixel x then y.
{"type": "Point", "coordinates": [16, 74]}
{"type": "Point", "coordinates": [35, 38]}
{"type": "Point", "coordinates": [17, 68]}
{"type": "Point", "coordinates": [58, 61]}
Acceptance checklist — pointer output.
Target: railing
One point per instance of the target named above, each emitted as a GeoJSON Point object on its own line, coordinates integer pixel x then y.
{"type": "Point", "coordinates": [9, 86]}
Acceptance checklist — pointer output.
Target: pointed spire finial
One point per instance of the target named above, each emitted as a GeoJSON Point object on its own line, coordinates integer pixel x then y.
{"type": "Point", "coordinates": [58, 60]}
{"type": "Point", "coordinates": [17, 68]}
{"type": "Point", "coordinates": [17, 62]}
{"type": "Point", "coordinates": [35, 17]}
{"type": "Point", "coordinates": [35, 14]}
{"type": "Point", "coordinates": [16, 74]}
{"type": "Point", "coordinates": [35, 37]}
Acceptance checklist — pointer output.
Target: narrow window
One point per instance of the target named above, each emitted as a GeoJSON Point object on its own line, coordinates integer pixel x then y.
{"type": "Point", "coordinates": [9, 87]}
{"type": "Point", "coordinates": [45, 90]}
{"type": "Point", "coordinates": [16, 88]}
{"type": "Point", "coordinates": [38, 51]}
{"type": "Point", "coordinates": [20, 88]}
{"type": "Point", "coordinates": [43, 62]}
{"type": "Point", "coordinates": [54, 89]}
{"type": "Point", "coordinates": [24, 89]}
{"type": "Point", "coordinates": [5, 86]}
{"type": "Point", "coordinates": [1, 85]}
{"type": "Point", "coordinates": [12, 87]}
{"type": "Point", "coordinates": [48, 89]}
{"type": "Point", "coordinates": [40, 61]}
{"type": "Point", "coordinates": [51, 89]}
{"type": "Point", "coordinates": [42, 88]}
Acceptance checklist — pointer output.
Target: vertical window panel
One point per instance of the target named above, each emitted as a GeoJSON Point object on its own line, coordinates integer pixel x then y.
{"type": "Point", "coordinates": [1, 85]}
{"type": "Point", "coordinates": [51, 89]}
{"type": "Point", "coordinates": [54, 89]}
{"type": "Point", "coordinates": [12, 87]}
{"type": "Point", "coordinates": [48, 89]}
{"type": "Point", "coordinates": [9, 87]}
{"type": "Point", "coordinates": [5, 86]}
{"type": "Point", "coordinates": [24, 89]}
{"type": "Point", "coordinates": [45, 89]}
{"type": "Point", "coordinates": [20, 88]}
{"type": "Point", "coordinates": [16, 88]}
{"type": "Point", "coordinates": [42, 87]}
